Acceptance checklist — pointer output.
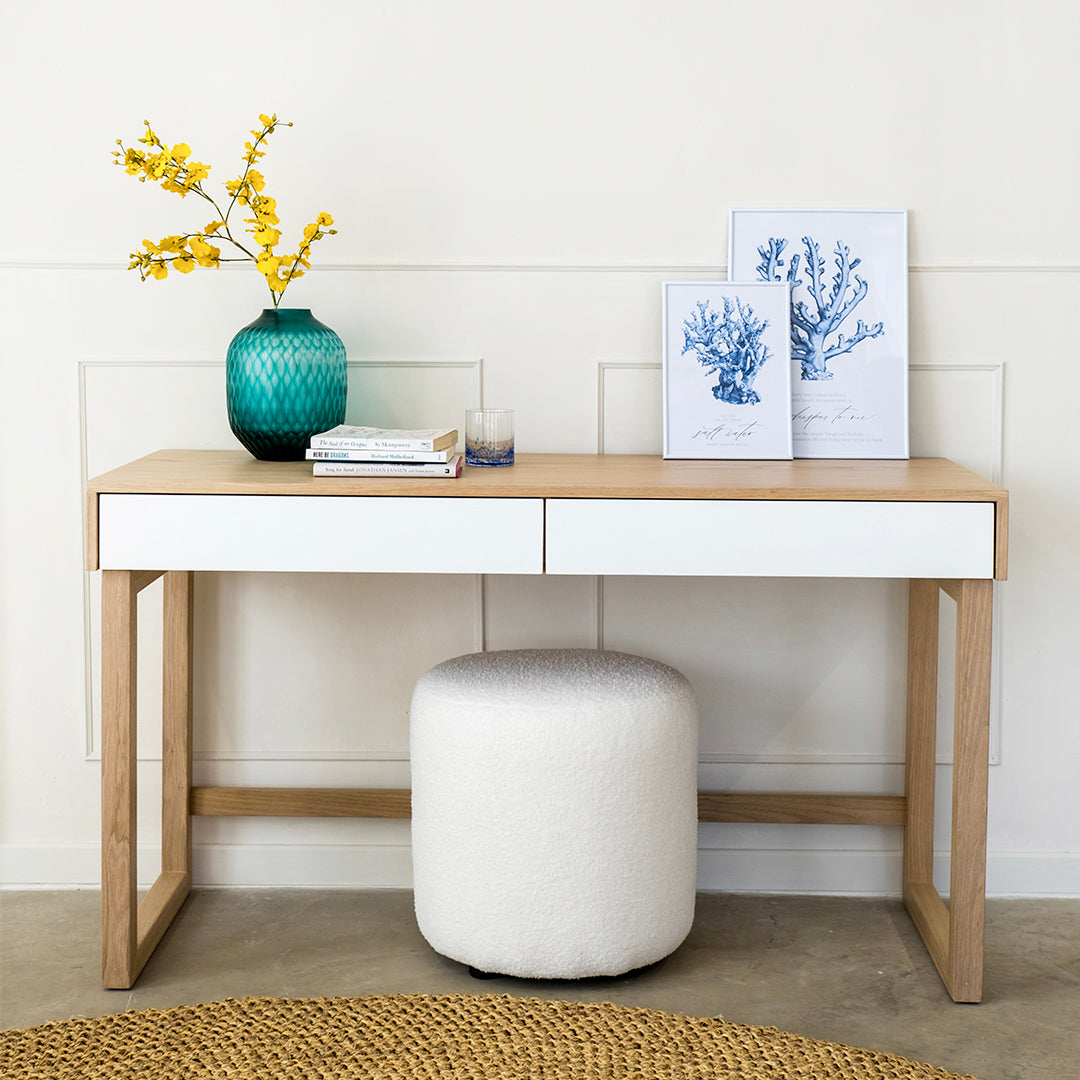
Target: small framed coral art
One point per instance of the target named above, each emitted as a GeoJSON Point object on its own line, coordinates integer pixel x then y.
{"type": "Point", "coordinates": [849, 311]}
{"type": "Point", "coordinates": [727, 370]}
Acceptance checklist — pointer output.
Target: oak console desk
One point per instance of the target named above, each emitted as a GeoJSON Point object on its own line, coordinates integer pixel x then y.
{"type": "Point", "coordinates": [177, 512]}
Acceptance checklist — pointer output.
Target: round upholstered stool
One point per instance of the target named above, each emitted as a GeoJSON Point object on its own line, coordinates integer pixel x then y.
{"type": "Point", "coordinates": [554, 811]}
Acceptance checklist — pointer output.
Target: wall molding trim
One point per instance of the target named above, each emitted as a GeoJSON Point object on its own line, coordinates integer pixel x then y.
{"type": "Point", "coordinates": [521, 267]}
{"type": "Point", "coordinates": [602, 368]}
{"type": "Point", "coordinates": [996, 370]}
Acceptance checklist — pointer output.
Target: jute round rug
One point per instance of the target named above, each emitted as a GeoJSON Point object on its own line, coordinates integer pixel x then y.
{"type": "Point", "coordinates": [423, 1037]}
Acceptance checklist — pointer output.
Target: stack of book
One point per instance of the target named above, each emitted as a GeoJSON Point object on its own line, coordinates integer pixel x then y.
{"type": "Point", "coordinates": [366, 451]}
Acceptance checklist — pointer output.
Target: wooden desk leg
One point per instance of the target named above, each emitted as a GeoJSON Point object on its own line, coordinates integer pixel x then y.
{"type": "Point", "coordinates": [118, 797]}
{"type": "Point", "coordinates": [130, 930]}
{"type": "Point", "coordinates": [171, 889]}
{"type": "Point", "coordinates": [971, 760]}
{"type": "Point", "coordinates": [953, 933]}
{"type": "Point", "coordinates": [176, 761]}
{"type": "Point", "coordinates": [922, 681]}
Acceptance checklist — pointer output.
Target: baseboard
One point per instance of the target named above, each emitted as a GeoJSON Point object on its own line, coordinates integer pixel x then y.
{"type": "Point", "coordinates": [878, 873]}
{"type": "Point", "coordinates": [347, 866]}
{"type": "Point", "coordinates": [367, 866]}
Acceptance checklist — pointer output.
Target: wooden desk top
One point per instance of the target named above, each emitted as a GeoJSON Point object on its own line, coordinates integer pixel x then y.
{"type": "Point", "coordinates": [564, 476]}
{"type": "Point", "coordinates": [568, 476]}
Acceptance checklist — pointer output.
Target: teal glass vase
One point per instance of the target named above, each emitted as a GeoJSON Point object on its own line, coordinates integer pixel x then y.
{"type": "Point", "coordinates": [285, 380]}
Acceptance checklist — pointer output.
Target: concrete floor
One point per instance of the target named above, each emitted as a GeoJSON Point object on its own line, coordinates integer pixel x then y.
{"type": "Point", "coordinates": [847, 970]}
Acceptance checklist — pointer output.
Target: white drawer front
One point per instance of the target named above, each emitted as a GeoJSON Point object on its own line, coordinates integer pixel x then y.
{"type": "Point", "coordinates": [770, 539]}
{"type": "Point", "coordinates": [321, 533]}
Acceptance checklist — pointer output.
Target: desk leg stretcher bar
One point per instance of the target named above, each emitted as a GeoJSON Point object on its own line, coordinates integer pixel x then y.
{"type": "Point", "coordinates": [953, 933]}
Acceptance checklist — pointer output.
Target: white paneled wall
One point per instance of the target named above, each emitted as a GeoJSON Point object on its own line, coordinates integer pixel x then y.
{"type": "Point", "coordinates": [511, 187]}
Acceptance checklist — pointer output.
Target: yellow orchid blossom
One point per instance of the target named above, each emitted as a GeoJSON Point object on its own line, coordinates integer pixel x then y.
{"type": "Point", "coordinates": [268, 236]}
{"type": "Point", "coordinates": [133, 162]}
{"type": "Point", "coordinates": [173, 168]}
{"type": "Point", "coordinates": [265, 210]}
{"type": "Point", "coordinates": [276, 282]}
{"type": "Point", "coordinates": [315, 230]}
{"type": "Point", "coordinates": [267, 262]}
{"type": "Point", "coordinates": [196, 173]}
{"type": "Point", "coordinates": [205, 254]}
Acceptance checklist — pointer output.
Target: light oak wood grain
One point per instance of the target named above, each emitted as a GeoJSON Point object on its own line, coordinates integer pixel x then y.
{"type": "Point", "coordinates": [953, 933]}
{"type": "Point", "coordinates": [154, 914]}
{"type": "Point", "coordinates": [118, 792]}
{"type": "Point", "coordinates": [799, 808]}
{"type": "Point", "coordinates": [131, 930]}
{"type": "Point", "coordinates": [176, 718]}
{"type": "Point", "coordinates": [615, 476]}
{"type": "Point", "coordinates": [971, 758]}
{"type": "Point", "coordinates": [91, 529]}
{"type": "Point", "coordinates": [921, 735]}
{"type": "Point", "coordinates": [301, 802]}
{"type": "Point", "coordinates": [772, 807]}
{"type": "Point", "coordinates": [932, 919]}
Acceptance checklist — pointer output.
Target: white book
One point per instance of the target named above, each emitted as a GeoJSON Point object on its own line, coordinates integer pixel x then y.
{"type": "Point", "coordinates": [389, 468]}
{"type": "Point", "coordinates": [380, 455]}
{"type": "Point", "coordinates": [349, 437]}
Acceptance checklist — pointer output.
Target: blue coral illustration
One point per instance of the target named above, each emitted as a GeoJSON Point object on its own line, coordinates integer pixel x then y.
{"type": "Point", "coordinates": [813, 323]}
{"type": "Point", "coordinates": [728, 344]}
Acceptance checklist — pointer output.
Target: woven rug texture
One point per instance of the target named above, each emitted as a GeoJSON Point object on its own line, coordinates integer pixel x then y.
{"type": "Point", "coordinates": [424, 1037]}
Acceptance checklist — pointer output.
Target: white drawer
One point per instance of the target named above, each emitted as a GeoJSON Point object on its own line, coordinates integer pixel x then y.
{"type": "Point", "coordinates": [321, 533]}
{"type": "Point", "coordinates": [770, 538]}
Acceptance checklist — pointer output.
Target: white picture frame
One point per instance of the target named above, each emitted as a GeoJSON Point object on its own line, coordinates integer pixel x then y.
{"type": "Point", "coordinates": [849, 322]}
{"type": "Point", "coordinates": [726, 370]}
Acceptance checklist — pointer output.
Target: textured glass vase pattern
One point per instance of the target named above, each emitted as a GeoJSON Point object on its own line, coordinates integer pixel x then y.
{"type": "Point", "coordinates": [285, 380]}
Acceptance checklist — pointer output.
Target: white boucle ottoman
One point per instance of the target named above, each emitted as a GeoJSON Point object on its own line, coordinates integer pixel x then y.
{"type": "Point", "coordinates": [554, 811]}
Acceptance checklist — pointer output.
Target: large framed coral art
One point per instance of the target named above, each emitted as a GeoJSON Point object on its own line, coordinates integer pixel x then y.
{"type": "Point", "coordinates": [727, 370]}
{"type": "Point", "coordinates": [847, 270]}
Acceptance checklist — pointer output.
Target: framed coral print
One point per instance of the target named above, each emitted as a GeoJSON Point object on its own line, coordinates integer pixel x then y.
{"type": "Point", "coordinates": [727, 370]}
{"type": "Point", "coordinates": [847, 270]}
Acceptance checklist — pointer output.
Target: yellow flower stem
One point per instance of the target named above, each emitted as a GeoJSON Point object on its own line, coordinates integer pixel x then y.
{"type": "Point", "coordinates": [261, 138]}
{"type": "Point", "coordinates": [304, 248]}
{"type": "Point", "coordinates": [224, 219]}
{"type": "Point", "coordinates": [226, 235]}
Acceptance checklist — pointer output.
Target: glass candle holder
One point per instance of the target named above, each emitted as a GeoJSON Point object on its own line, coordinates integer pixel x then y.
{"type": "Point", "coordinates": [489, 436]}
